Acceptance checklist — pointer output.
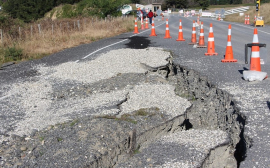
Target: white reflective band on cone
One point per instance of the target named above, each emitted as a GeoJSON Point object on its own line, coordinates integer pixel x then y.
{"type": "Point", "coordinates": [167, 28]}
{"type": "Point", "coordinates": [211, 39]}
{"type": "Point", "coordinates": [255, 54]}
{"type": "Point", "coordinates": [211, 29]}
{"type": "Point", "coordinates": [180, 30]}
{"type": "Point", "coordinates": [201, 34]}
{"type": "Point", "coordinates": [193, 32]}
{"type": "Point", "coordinates": [180, 24]}
{"type": "Point", "coordinates": [229, 43]}
{"type": "Point", "coordinates": [229, 32]}
{"type": "Point", "coordinates": [255, 38]}
{"type": "Point", "coordinates": [167, 22]}
{"type": "Point", "coordinates": [153, 27]}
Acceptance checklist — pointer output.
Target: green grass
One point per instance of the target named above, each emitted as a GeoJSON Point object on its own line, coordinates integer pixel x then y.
{"type": "Point", "coordinates": [136, 151]}
{"type": "Point", "coordinates": [142, 112]}
{"type": "Point", "coordinates": [59, 139]}
{"type": "Point", "coordinates": [127, 117]}
{"type": "Point", "coordinates": [188, 96]}
{"type": "Point", "coordinates": [124, 117]}
{"type": "Point", "coordinates": [74, 122]}
{"type": "Point", "coordinates": [41, 138]}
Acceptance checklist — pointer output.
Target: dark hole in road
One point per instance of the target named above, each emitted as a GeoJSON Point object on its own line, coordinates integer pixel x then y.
{"type": "Point", "coordinates": [268, 104]}
{"type": "Point", "coordinates": [138, 42]}
{"type": "Point", "coordinates": [187, 124]}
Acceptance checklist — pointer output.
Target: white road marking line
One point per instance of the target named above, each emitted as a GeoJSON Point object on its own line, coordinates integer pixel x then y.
{"type": "Point", "coordinates": [249, 27]}
{"type": "Point", "coordinates": [103, 48]}
{"type": "Point", "coordinates": [115, 43]}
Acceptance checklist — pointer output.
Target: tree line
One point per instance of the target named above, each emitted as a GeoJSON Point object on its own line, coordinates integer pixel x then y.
{"type": "Point", "coordinates": [31, 10]}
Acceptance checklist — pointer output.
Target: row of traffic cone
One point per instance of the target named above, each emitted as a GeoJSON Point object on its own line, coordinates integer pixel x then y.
{"type": "Point", "coordinates": [136, 29]}
{"type": "Point", "coordinates": [255, 56]}
{"type": "Point", "coordinates": [153, 31]}
{"type": "Point", "coordinates": [247, 19]}
{"type": "Point", "coordinates": [255, 50]}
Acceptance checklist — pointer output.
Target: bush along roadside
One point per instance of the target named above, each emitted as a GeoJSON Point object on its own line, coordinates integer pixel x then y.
{"type": "Point", "coordinates": [13, 53]}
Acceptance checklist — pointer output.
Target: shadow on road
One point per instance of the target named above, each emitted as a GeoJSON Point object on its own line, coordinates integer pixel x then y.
{"type": "Point", "coordinates": [241, 71]}
{"type": "Point", "coordinates": [138, 42]}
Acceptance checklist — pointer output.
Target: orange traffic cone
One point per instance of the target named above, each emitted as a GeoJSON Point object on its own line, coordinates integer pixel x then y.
{"type": "Point", "coordinates": [229, 50]}
{"type": "Point", "coordinates": [201, 39]}
{"type": "Point", "coordinates": [136, 27]}
{"type": "Point", "coordinates": [255, 64]}
{"type": "Point", "coordinates": [198, 19]}
{"type": "Point", "coordinates": [153, 30]}
{"type": "Point", "coordinates": [248, 20]}
{"type": "Point", "coordinates": [193, 35]}
{"type": "Point", "coordinates": [167, 32]}
{"type": "Point", "coordinates": [211, 42]}
{"type": "Point", "coordinates": [162, 17]}
{"type": "Point", "coordinates": [146, 23]}
{"type": "Point", "coordinates": [218, 17]}
{"type": "Point", "coordinates": [180, 34]}
{"type": "Point", "coordinates": [245, 19]}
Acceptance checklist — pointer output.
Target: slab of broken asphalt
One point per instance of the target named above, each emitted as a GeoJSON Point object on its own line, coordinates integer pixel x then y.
{"type": "Point", "coordinates": [105, 139]}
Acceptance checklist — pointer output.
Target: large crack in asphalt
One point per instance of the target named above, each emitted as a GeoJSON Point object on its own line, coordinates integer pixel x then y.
{"type": "Point", "coordinates": [122, 140]}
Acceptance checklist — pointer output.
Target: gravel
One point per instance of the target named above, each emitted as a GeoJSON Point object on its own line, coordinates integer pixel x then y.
{"type": "Point", "coordinates": [46, 106]}
{"type": "Point", "coordinates": [161, 96]}
{"type": "Point", "coordinates": [109, 64]}
{"type": "Point", "coordinates": [190, 148]}
{"type": "Point", "coordinates": [35, 103]}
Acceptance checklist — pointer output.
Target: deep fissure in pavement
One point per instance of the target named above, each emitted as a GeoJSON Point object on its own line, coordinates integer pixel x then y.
{"type": "Point", "coordinates": [211, 109]}
{"type": "Point", "coordinates": [219, 103]}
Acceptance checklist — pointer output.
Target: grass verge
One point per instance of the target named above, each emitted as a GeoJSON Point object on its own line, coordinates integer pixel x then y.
{"type": "Point", "coordinates": [36, 40]}
{"type": "Point", "coordinates": [264, 11]}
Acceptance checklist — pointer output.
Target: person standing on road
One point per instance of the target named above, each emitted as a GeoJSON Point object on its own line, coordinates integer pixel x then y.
{"type": "Point", "coordinates": [150, 16]}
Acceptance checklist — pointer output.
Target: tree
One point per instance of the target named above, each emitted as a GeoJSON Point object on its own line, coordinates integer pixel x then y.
{"type": "Point", "coordinates": [213, 2]}
{"type": "Point", "coordinates": [103, 8]}
{"type": "Point", "coordinates": [135, 1]}
{"type": "Point", "coordinates": [203, 3]}
{"type": "Point", "coordinates": [236, 1]}
{"type": "Point", "coordinates": [177, 3]}
{"type": "Point", "coordinates": [29, 10]}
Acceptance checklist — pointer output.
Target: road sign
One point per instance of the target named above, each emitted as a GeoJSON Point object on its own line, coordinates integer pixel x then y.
{"type": "Point", "coordinates": [158, 12]}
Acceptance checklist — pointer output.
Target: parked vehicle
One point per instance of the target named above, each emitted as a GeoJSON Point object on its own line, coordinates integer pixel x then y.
{"type": "Point", "coordinates": [139, 12]}
{"type": "Point", "coordinates": [126, 9]}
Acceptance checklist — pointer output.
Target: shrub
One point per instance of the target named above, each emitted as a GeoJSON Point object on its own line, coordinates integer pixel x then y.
{"type": "Point", "coordinates": [68, 11]}
{"type": "Point", "coordinates": [13, 53]}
